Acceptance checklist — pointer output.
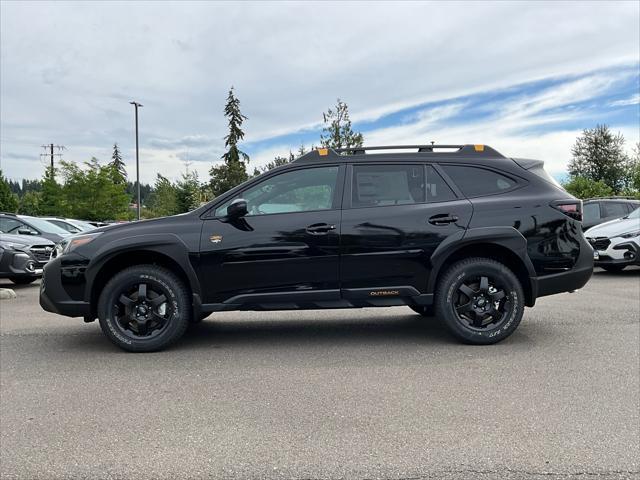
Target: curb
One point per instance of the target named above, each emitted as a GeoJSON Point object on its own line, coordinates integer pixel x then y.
{"type": "Point", "coordinates": [7, 293]}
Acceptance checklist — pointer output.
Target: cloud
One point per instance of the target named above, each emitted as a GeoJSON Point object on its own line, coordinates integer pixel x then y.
{"type": "Point", "coordinates": [87, 61]}
{"type": "Point", "coordinates": [633, 100]}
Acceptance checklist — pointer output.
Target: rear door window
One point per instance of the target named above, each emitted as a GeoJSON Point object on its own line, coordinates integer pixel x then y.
{"type": "Point", "coordinates": [591, 212]}
{"type": "Point", "coordinates": [437, 188]}
{"type": "Point", "coordinates": [384, 185]}
{"type": "Point", "coordinates": [614, 209]}
{"type": "Point", "coordinates": [476, 181]}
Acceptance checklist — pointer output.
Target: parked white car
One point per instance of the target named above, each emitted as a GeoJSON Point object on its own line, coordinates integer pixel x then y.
{"type": "Point", "coordinates": [616, 244]}
{"type": "Point", "coordinates": [70, 225]}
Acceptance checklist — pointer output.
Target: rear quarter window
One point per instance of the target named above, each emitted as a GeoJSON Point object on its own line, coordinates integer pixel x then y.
{"type": "Point", "coordinates": [476, 181]}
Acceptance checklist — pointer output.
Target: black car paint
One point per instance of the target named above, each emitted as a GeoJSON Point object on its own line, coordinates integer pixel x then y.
{"type": "Point", "coordinates": [272, 261]}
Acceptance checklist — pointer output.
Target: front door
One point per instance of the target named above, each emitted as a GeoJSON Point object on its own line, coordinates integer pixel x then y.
{"type": "Point", "coordinates": [285, 251]}
{"type": "Point", "coordinates": [394, 218]}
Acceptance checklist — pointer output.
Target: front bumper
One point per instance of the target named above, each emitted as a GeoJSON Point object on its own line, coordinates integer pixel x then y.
{"type": "Point", "coordinates": [19, 264]}
{"type": "Point", "coordinates": [54, 298]}
{"type": "Point", "coordinates": [620, 251]}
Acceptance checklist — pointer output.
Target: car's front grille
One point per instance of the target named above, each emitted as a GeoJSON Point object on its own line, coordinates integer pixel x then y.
{"type": "Point", "coordinates": [41, 252]}
{"type": "Point", "coordinates": [599, 243]}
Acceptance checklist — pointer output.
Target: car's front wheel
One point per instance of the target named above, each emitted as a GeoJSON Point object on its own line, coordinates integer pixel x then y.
{"type": "Point", "coordinates": [144, 308]}
{"type": "Point", "coordinates": [480, 300]}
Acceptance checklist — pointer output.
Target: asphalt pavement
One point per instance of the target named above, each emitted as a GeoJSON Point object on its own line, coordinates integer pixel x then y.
{"type": "Point", "coordinates": [363, 393]}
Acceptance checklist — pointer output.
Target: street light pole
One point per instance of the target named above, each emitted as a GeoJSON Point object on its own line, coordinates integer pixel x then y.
{"type": "Point", "coordinates": [136, 105]}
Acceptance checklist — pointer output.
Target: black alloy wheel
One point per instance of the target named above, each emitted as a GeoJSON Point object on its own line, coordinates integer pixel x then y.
{"type": "Point", "coordinates": [480, 300]}
{"type": "Point", "coordinates": [144, 308]}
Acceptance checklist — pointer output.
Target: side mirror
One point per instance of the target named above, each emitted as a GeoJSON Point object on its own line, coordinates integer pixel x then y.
{"type": "Point", "coordinates": [237, 208]}
{"type": "Point", "coordinates": [26, 231]}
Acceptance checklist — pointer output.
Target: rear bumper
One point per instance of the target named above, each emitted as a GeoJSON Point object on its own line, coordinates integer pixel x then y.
{"type": "Point", "coordinates": [570, 280]}
{"type": "Point", "coordinates": [54, 298]}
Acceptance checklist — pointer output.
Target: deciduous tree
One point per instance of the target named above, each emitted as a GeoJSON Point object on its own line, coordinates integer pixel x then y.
{"type": "Point", "coordinates": [599, 155]}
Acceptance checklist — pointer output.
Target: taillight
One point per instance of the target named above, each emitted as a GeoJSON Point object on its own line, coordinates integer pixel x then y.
{"type": "Point", "coordinates": [571, 208]}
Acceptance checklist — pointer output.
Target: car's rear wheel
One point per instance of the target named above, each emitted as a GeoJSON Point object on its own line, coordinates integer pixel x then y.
{"type": "Point", "coordinates": [424, 310]}
{"type": "Point", "coordinates": [22, 280]}
{"type": "Point", "coordinates": [480, 300]}
{"type": "Point", "coordinates": [613, 268]}
{"type": "Point", "coordinates": [144, 308]}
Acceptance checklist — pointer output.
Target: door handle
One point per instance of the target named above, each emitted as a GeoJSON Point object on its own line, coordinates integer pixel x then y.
{"type": "Point", "coordinates": [443, 219]}
{"type": "Point", "coordinates": [320, 228]}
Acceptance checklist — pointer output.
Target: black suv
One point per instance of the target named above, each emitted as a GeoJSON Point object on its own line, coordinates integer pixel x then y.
{"type": "Point", "coordinates": [461, 229]}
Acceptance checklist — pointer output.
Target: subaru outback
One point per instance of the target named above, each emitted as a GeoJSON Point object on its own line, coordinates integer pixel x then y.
{"type": "Point", "coordinates": [459, 231]}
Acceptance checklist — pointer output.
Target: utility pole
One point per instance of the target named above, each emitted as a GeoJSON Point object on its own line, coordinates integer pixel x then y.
{"type": "Point", "coordinates": [136, 105]}
{"type": "Point", "coordinates": [50, 153]}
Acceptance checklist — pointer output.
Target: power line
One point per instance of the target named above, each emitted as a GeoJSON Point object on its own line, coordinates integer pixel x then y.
{"type": "Point", "coordinates": [50, 153]}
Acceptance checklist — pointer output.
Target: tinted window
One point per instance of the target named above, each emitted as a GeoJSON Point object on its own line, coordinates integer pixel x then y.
{"type": "Point", "coordinates": [591, 212]}
{"type": "Point", "coordinates": [614, 209]}
{"type": "Point", "coordinates": [381, 185]}
{"type": "Point", "coordinates": [10, 225]}
{"type": "Point", "coordinates": [475, 181]}
{"type": "Point", "coordinates": [437, 189]}
{"type": "Point", "coordinates": [293, 191]}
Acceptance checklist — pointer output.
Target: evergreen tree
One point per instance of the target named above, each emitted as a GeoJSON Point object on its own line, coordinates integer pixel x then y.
{"type": "Point", "coordinates": [51, 200]}
{"type": "Point", "coordinates": [8, 199]}
{"type": "Point", "coordinates": [119, 172]}
{"type": "Point", "coordinates": [188, 192]}
{"type": "Point", "coordinates": [234, 169]}
{"type": "Point", "coordinates": [163, 199]}
{"type": "Point", "coordinates": [599, 155]}
{"type": "Point", "coordinates": [337, 130]}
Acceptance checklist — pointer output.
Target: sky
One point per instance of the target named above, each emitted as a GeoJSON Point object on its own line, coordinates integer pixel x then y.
{"type": "Point", "coordinates": [525, 78]}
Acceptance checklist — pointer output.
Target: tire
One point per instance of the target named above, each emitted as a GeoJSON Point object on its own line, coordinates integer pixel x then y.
{"type": "Point", "coordinates": [144, 308]}
{"type": "Point", "coordinates": [424, 310]}
{"type": "Point", "coordinates": [489, 285]}
{"type": "Point", "coordinates": [22, 280]}
{"type": "Point", "coordinates": [613, 268]}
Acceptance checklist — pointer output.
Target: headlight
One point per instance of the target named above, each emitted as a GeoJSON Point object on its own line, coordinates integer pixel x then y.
{"type": "Point", "coordinates": [70, 244]}
{"type": "Point", "coordinates": [12, 245]}
{"type": "Point", "coordinates": [635, 233]}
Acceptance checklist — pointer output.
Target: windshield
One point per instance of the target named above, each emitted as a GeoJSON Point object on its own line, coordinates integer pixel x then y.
{"type": "Point", "coordinates": [84, 226]}
{"type": "Point", "coordinates": [45, 226]}
{"type": "Point", "coordinates": [634, 214]}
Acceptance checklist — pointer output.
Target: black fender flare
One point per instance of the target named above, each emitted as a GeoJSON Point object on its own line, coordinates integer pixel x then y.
{"type": "Point", "coordinates": [507, 237]}
{"type": "Point", "coordinates": [167, 244]}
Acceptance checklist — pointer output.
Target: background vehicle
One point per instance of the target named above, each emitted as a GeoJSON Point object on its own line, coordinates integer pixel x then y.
{"type": "Point", "coordinates": [71, 225]}
{"type": "Point", "coordinates": [26, 225]}
{"type": "Point", "coordinates": [616, 243]}
{"type": "Point", "coordinates": [463, 229]}
{"type": "Point", "coordinates": [600, 210]}
{"type": "Point", "coordinates": [22, 257]}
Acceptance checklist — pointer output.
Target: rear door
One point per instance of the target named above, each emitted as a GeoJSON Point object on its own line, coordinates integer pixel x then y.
{"type": "Point", "coordinates": [395, 215]}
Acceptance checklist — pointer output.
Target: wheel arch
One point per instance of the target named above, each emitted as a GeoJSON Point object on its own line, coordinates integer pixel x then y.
{"type": "Point", "coordinates": [165, 252]}
{"type": "Point", "coordinates": [503, 244]}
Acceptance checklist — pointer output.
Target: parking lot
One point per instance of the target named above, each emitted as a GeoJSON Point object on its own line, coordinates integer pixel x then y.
{"type": "Point", "coordinates": [369, 393]}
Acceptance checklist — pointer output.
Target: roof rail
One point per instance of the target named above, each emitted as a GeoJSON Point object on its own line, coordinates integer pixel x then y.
{"type": "Point", "coordinates": [470, 151]}
{"type": "Point", "coordinates": [9, 213]}
{"type": "Point", "coordinates": [613, 197]}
